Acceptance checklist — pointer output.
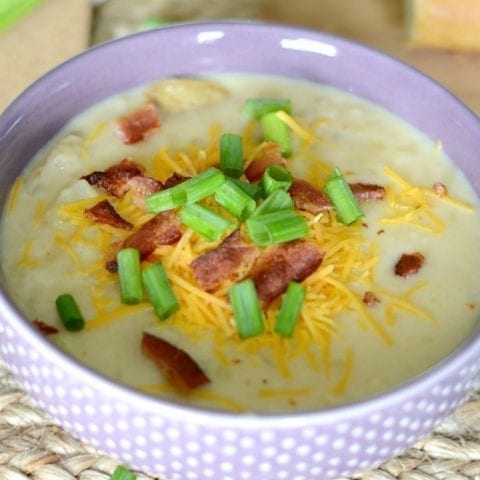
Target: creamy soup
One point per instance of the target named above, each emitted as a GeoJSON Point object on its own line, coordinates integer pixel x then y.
{"type": "Point", "coordinates": [367, 322]}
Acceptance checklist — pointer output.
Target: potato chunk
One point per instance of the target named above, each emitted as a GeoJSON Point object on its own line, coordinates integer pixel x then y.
{"type": "Point", "coordinates": [182, 94]}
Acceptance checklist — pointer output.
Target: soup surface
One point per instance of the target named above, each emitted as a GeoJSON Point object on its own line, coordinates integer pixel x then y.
{"type": "Point", "coordinates": [369, 320]}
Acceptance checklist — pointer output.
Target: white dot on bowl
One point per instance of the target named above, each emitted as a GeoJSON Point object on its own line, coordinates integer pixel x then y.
{"type": "Point", "coordinates": [230, 435]}
{"type": "Point", "coordinates": [123, 425]}
{"type": "Point", "coordinates": [247, 442]}
{"type": "Point", "coordinates": [227, 467]}
{"type": "Point", "coordinates": [321, 440]}
{"type": "Point", "coordinates": [387, 435]}
{"type": "Point", "coordinates": [357, 432]}
{"type": "Point", "coordinates": [140, 440]}
{"type": "Point", "coordinates": [343, 427]}
{"type": "Point", "coordinates": [209, 457]}
{"type": "Point", "coordinates": [303, 450]}
{"type": "Point", "coordinates": [249, 459]}
{"type": "Point", "coordinates": [192, 446]}
{"type": "Point", "coordinates": [210, 439]}
{"type": "Point", "coordinates": [354, 448]}
{"type": "Point", "coordinates": [176, 465]}
{"type": "Point", "coordinates": [191, 475]}
{"type": "Point", "coordinates": [125, 444]}
{"type": "Point", "coordinates": [176, 451]}
{"type": "Point", "coordinates": [156, 437]}
{"type": "Point", "coordinates": [283, 458]}
{"type": "Point", "coordinates": [192, 462]}
{"type": "Point", "coordinates": [371, 434]}
{"type": "Point", "coordinates": [339, 444]}
{"type": "Point", "coordinates": [301, 466]}
{"type": "Point", "coordinates": [353, 462]}
{"type": "Point", "coordinates": [332, 472]}
{"type": "Point", "coordinates": [308, 432]}
{"type": "Point", "coordinates": [208, 472]}
{"type": "Point", "coordinates": [375, 418]}
{"type": "Point", "coordinates": [93, 427]}
{"type": "Point", "coordinates": [141, 453]}
{"type": "Point", "coordinates": [314, 471]}
{"type": "Point", "coordinates": [245, 475]}
{"type": "Point", "coordinates": [288, 443]}
{"type": "Point", "coordinates": [265, 467]}
{"type": "Point", "coordinates": [372, 449]}
{"type": "Point", "coordinates": [229, 450]}
{"type": "Point", "coordinates": [269, 452]}
{"type": "Point", "coordinates": [318, 457]}
{"type": "Point", "coordinates": [173, 433]}
{"type": "Point", "coordinates": [283, 474]}
{"type": "Point", "coordinates": [157, 453]}
{"type": "Point", "coordinates": [334, 461]}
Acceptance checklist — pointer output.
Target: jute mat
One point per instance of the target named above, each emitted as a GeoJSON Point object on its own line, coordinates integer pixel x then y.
{"type": "Point", "coordinates": [33, 447]}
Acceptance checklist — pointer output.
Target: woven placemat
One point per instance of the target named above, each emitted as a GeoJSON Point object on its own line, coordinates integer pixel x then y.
{"type": "Point", "coordinates": [32, 446]}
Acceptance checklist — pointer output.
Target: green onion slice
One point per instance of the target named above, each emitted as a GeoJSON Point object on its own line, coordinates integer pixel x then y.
{"type": "Point", "coordinates": [192, 190]}
{"type": "Point", "coordinates": [205, 221]}
{"type": "Point", "coordinates": [276, 227]}
{"type": "Point", "coordinates": [246, 309]}
{"type": "Point", "coordinates": [250, 189]}
{"type": "Point", "coordinates": [290, 309]}
{"type": "Point", "coordinates": [159, 291]}
{"type": "Point", "coordinates": [129, 273]}
{"type": "Point", "coordinates": [276, 201]}
{"type": "Point", "coordinates": [258, 107]}
{"type": "Point", "coordinates": [235, 200]}
{"type": "Point", "coordinates": [231, 155]}
{"type": "Point", "coordinates": [275, 177]}
{"type": "Point", "coordinates": [276, 130]}
{"type": "Point", "coordinates": [340, 194]}
{"type": "Point", "coordinates": [121, 473]}
{"type": "Point", "coordinates": [70, 315]}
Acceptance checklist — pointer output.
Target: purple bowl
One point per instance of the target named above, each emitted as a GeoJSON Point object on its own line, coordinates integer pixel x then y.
{"type": "Point", "coordinates": [181, 442]}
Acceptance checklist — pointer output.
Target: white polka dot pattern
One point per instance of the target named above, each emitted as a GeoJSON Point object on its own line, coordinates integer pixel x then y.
{"type": "Point", "coordinates": [186, 446]}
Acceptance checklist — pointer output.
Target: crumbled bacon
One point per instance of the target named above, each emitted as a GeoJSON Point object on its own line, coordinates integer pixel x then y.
{"type": "Point", "coordinates": [307, 197]}
{"type": "Point", "coordinates": [409, 264]}
{"type": "Point", "coordinates": [122, 177]}
{"type": "Point", "coordinates": [370, 299]}
{"type": "Point", "coordinates": [440, 189]}
{"type": "Point", "coordinates": [365, 192]}
{"type": "Point", "coordinates": [162, 229]}
{"type": "Point", "coordinates": [178, 367]}
{"type": "Point", "coordinates": [281, 264]}
{"type": "Point", "coordinates": [229, 261]}
{"type": "Point", "coordinates": [174, 180]}
{"type": "Point", "coordinates": [103, 212]}
{"type": "Point", "coordinates": [138, 125]}
{"type": "Point", "coordinates": [270, 156]}
{"type": "Point", "coordinates": [45, 328]}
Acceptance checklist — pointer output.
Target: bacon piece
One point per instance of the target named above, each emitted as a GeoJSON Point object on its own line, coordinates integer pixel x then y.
{"type": "Point", "coordinates": [138, 125]}
{"type": "Point", "coordinates": [174, 180]}
{"type": "Point", "coordinates": [281, 264]}
{"type": "Point", "coordinates": [179, 368]}
{"type": "Point", "coordinates": [228, 261]}
{"type": "Point", "coordinates": [439, 189]}
{"type": "Point", "coordinates": [270, 156]}
{"type": "Point", "coordinates": [45, 328]}
{"type": "Point", "coordinates": [370, 299]}
{"type": "Point", "coordinates": [162, 229]}
{"type": "Point", "coordinates": [103, 212]}
{"type": "Point", "coordinates": [409, 264]}
{"type": "Point", "coordinates": [307, 197]}
{"type": "Point", "coordinates": [122, 177]}
{"type": "Point", "coordinates": [365, 192]}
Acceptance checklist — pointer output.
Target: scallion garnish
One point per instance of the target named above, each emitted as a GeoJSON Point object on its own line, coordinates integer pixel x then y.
{"type": "Point", "coordinates": [276, 201]}
{"type": "Point", "coordinates": [290, 309]}
{"type": "Point", "coordinates": [246, 309]}
{"type": "Point", "coordinates": [192, 190]}
{"type": "Point", "coordinates": [231, 155]}
{"type": "Point", "coordinates": [129, 273]}
{"type": "Point", "coordinates": [121, 473]}
{"type": "Point", "coordinates": [340, 194]}
{"type": "Point", "coordinates": [276, 227]}
{"type": "Point", "coordinates": [276, 130]}
{"type": "Point", "coordinates": [235, 200]}
{"type": "Point", "coordinates": [70, 315]}
{"type": "Point", "coordinates": [250, 189]}
{"type": "Point", "coordinates": [159, 291]}
{"type": "Point", "coordinates": [275, 177]}
{"type": "Point", "coordinates": [258, 107]}
{"type": "Point", "coordinates": [205, 221]}
{"type": "Point", "coordinates": [166, 199]}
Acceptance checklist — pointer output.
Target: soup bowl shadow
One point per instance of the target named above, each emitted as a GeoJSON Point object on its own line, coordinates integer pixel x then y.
{"type": "Point", "coordinates": [181, 442]}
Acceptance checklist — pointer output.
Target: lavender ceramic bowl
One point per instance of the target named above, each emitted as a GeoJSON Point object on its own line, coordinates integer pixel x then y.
{"type": "Point", "coordinates": [179, 442]}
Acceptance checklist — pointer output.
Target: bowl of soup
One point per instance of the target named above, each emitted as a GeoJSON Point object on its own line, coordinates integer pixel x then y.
{"type": "Point", "coordinates": [240, 250]}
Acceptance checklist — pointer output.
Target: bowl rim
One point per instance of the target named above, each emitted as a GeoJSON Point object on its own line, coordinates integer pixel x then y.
{"type": "Point", "coordinates": [11, 314]}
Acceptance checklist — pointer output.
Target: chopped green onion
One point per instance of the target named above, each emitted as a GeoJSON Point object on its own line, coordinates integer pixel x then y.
{"type": "Point", "coordinates": [258, 107]}
{"type": "Point", "coordinates": [153, 22]}
{"type": "Point", "coordinates": [276, 130]}
{"type": "Point", "coordinates": [129, 273]}
{"type": "Point", "coordinates": [159, 291]}
{"type": "Point", "coordinates": [70, 315]}
{"type": "Point", "coordinates": [290, 309]}
{"type": "Point", "coordinates": [276, 201]}
{"type": "Point", "coordinates": [192, 190]}
{"type": "Point", "coordinates": [277, 227]}
{"type": "Point", "coordinates": [235, 200]}
{"type": "Point", "coordinates": [246, 309]}
{"type": "Point", "coordinates": [250, 189]}
{"type": "Point", "coordinates": [275, 177]}
{"type": "Point", "coordinates": [166, 199]}
{"type": "Point", "coordinates": [342, 198]}
{"type": "Point", "coordinates": [205, 221]}
{"type": "Point", "coordinates": [231, 155]}
{"type": "Point", "coordinates": [121, 473]}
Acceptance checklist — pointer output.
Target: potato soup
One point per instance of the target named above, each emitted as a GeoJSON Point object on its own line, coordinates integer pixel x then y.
{"type": "Point", "coordinates": [384, 297]}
